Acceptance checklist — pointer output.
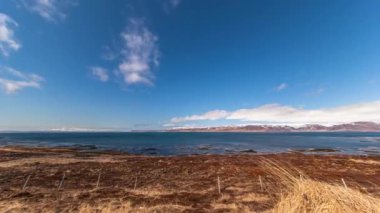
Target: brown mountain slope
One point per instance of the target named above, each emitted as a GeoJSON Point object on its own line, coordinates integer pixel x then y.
{"type": "Point", "coordinates": [350, 127]}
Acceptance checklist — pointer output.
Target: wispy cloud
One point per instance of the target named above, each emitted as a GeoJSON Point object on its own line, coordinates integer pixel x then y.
{"type": "Point", "coordinates": [140, 53]}
{"type": "Point", "coordinates": [174, 3]}
{"type": "Point", "coordinates": [109, 54]}
{"type": "Point", "coordinates": [12, 81]}
{"type": "Point", "coordinates": [281, 87]}
{"type": "Point", "coordinates": [8, 42]}
{"type": "Point", "coordinates": [50, 10]}
{"type": "Point", "coordinates": [372, 81]}
{"type": "Point", "coordinates": [170, 5]}
{"type": "Point", "coordinates": [82, 129]}
{"type": "Point", "coordinates": [275, 113]}
{"type": "Point", "coordinates": [100, 73]}
{"type": "Point", "coordinates": [317, 91]}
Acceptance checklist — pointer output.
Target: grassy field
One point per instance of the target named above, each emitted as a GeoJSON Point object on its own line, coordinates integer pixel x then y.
{"type": "Point", "coordinates": [66, 180]}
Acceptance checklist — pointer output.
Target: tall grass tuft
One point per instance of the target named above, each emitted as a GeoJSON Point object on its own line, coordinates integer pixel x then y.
{"type": "Point", "coordinates": [304, 194]}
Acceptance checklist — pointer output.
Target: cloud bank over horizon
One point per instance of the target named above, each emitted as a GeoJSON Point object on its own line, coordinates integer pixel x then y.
{"type": "Point", "coordinates": [288, 115]}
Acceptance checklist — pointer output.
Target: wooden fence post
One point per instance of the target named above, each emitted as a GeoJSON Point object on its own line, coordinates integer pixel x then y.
{"type": "Point", "coordinates": [60, 184]}
{"type": "Point", "coordinates": [219, 185]}
{"type": "Point", "coordinates": [26, 183]}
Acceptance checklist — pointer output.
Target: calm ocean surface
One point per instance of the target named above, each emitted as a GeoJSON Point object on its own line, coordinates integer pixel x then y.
{"type": "Point", "coordinates": [174, 143]}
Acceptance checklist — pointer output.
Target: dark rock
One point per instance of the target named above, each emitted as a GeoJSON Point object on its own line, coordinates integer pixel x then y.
{"type": "Point", "coordinates": [248, 151]}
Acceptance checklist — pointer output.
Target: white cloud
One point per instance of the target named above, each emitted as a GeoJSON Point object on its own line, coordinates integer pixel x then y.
{"type": "Point", "coordinates": [281, 87]}
{"type": "Point", "coordinates": [211, 115]}
{"type": "Point", "coordinates": [140, 54]}
{"type": "Point", "coordinates": [275, 113]}
{"type": "Point", "coordinates": [12, 81]}
{"type": "Point", "coordinates": [51, 10]}
{"type": "Point", "coordinates": [7, 41]}
{"type": "Point", "coordinates": [100, 73]}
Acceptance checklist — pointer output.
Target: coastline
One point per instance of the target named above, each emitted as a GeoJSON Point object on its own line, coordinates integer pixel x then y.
{"type": "Point", "coordinates": [175, 183]}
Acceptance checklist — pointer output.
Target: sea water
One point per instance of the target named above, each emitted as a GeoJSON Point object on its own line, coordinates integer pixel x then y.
{"type": "Point", "coordinates": [180, 143]}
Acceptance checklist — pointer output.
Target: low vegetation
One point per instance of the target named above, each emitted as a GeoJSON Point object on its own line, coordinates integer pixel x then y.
{"type": "Point", "coordinates": [289, 182]}
{"type": "Point", "coordinates": [304, 194]}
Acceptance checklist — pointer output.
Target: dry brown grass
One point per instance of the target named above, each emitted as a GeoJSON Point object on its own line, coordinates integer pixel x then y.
{"type": "Point", "coordinates": [312, 196]}
{"type": "Point", "coordinates": [187, 184]}
{"type": "Point", "coordinates": [306, 195]}
{"type": "Point", "coordinates": [128, 208]}
{"type": "Point", "coordinates": [372, 162]}
{"type": "Point", "coordinates": [253, 197]}
{"type": "Point", "coordinates": [11, 206]}
{"type": "Point", "coordinates": [225, 203]}
{"type": "Point", "coordinates": [231, 207]}
{"type": "Point", "coordinates": [56, 160]}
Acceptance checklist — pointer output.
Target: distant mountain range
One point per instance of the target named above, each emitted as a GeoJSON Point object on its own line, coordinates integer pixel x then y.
{"type": "Point", "coordinates": [348, 127]}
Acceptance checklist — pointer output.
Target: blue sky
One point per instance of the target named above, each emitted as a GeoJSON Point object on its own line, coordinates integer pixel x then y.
{"type": "Point", "coordinates": [154, 64]}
